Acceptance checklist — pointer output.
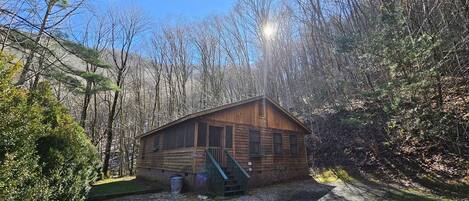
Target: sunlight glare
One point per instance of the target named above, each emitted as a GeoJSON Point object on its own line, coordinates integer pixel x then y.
{"type": "Point", "coordinates": [268, 30]}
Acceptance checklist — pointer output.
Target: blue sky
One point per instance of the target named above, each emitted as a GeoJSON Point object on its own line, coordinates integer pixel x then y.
{"type": "Point", "coordinates": [169, 12]}
{"type": "Point", "coordinates": [160, 10]}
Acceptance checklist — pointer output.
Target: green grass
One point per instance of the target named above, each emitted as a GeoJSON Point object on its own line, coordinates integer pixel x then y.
{"type": "Point", "coordinates": [112, 180]}
{"type": "Point", "coordinates": [121, 185]}
{"type": "Point", "coordinates": [332, 175]}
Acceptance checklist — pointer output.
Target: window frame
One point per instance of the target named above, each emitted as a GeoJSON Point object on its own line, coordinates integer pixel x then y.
{"type": "Point", "coordinates": [257, 143]}
{"type": "Point", "coordinates": [295, 144]}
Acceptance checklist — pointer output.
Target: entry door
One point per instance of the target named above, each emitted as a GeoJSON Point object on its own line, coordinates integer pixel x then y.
{"type": "Point", "coordinates": [215, 144]}
{"type": "Point", "coordinates": [215, 133]}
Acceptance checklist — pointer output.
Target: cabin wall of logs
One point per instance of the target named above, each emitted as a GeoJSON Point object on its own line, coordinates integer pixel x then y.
{"type": "Point", "coordinates": [265, 141]}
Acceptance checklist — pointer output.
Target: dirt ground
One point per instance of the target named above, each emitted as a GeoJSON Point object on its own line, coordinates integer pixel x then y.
{"type": "Point", "coordinates": [305, 190]}
{"type": "Point", "coordinates": [301, 191]}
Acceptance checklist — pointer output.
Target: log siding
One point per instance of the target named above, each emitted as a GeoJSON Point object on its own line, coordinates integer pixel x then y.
{"type": "Point", "coordinates": [267, 167]}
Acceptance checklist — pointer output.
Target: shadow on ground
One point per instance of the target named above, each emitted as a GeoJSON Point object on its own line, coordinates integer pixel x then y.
{"type": "Point", "coordinates": [306, 195]}
{"type": "Point", "coordinates": [302, 195]}
{"type": "Point", "coordinates": [418, 176]}
{"type": "Point", "coordinates": [122, 188]}
{"type": "Point", "coordinates": [359, 187]}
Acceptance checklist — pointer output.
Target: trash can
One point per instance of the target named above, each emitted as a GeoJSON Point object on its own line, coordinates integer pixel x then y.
{"type": "Point", "coordinates": [176, 184]}
{"type": "Point", "coordinates": [201, 183]}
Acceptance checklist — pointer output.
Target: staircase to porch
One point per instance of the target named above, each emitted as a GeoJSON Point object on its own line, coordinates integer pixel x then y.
{"type": "Point", "coordinates": [225, 176]}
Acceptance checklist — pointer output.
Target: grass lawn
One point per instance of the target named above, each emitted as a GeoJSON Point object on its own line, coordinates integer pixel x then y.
{"type": "Point", "coordinates": [108, 188]}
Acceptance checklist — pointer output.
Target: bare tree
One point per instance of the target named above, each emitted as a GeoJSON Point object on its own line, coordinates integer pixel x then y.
{"type": "Point", "coordinates": [95, 36]}
{"type": "Point", "coordinates": [157, 59]}
{"type": "Point", "coordinates": [125, 29]}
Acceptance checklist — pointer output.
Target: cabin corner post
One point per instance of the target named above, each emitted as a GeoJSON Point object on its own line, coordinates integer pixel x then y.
{"type": "Point", "coordinates": [194, 149]}
{"type": "Point", "coordinates": [306, 150]}
{"type": "Point", "coordinates": [234, 140]}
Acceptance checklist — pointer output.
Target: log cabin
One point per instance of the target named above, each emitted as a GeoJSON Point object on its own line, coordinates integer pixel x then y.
{"type": "Point", "coordinates": [227, 149]}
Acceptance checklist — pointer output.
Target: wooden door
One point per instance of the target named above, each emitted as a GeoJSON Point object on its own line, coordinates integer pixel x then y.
{"type": "Point", "coordinates": [214, 136]}
{"type": "Point", "coordinates": [215, 144]}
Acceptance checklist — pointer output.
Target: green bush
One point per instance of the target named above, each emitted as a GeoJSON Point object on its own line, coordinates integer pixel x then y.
{"type": "Point", "coordinates": [44, 153]}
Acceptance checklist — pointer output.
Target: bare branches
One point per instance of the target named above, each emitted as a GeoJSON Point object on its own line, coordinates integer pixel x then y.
{"type": "Point", "coordinates": [319, 57]}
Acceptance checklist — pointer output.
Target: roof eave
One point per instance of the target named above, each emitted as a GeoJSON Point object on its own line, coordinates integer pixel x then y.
{"type": "Point", "coordinates": [219, 108]}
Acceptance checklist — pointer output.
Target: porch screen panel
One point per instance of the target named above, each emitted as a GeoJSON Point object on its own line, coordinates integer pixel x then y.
{"type": "Point", "coordinates": [189, 138]}
{"type": "Point", "coordinates": [202, 135]}
{"type": "Point", "coordinates": [229, 137]}
{"type": "Point", "coordinates": [214, 135]}
{"type": "Point", "coordinates": [156, 143]}
{"type": "Point", "coordinates": [180, 132]}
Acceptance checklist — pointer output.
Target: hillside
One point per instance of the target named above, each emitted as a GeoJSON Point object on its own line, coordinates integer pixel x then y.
{"type": "Point", "coordinates": [383, 85]}
{"type": "Point", "coordinates": [362, 141]}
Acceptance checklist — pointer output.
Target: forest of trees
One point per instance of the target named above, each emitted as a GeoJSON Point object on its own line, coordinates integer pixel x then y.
{"type": "Point", "coordinates": [121, 74]}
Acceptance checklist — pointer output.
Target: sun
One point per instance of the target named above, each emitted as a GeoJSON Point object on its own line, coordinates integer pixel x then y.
{"type": "Point", "coordinates": [268, 30]}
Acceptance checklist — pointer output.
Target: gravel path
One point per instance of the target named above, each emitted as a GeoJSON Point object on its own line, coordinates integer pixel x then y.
{"type": "Point", "coordinates": [294, 191]}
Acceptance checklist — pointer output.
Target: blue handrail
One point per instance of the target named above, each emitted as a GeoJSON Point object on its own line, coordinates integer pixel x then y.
{"type": "Point", "coordinates": [237, 165]}
{"type": "Point", "coordinates": [216, 176]}
{"type": "Point", "coordinates": [241, 175]}
{"type": "Point", "coordinates": [217, 166]}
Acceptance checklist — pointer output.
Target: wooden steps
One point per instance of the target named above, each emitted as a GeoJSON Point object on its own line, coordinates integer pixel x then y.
{"type": "Point", "coordinates": [231, 187]}
{"type": "Point", "coordinates": [224, 176]}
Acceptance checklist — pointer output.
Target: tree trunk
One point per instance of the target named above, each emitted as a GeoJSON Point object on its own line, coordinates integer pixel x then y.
{"type": "Point", "coordinates": [86, 102]}
{"type": "Point", "coordinates": [30, 57]}
{"type": "Point", "coordinates": [109, 133]}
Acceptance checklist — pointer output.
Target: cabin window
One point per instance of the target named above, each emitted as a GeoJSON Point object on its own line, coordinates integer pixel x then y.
{"type": "Point", "coordinates": [229, 137]}
{"type": "Point", "coordinates": [156, 143]}
{"type": "Point", "coordinates": [277, 143]}
{"type": "Point", "coordinates": [293, 144]}
{"type": "Point", "coordinates": [254, 142]}
{"type": "Point", "coordinates": [189, 138]}
{"type": "Point", "coordinates": [202, 135]}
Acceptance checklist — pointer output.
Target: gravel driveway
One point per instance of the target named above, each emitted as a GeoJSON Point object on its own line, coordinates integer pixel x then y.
{"type": "Point", "coordinates": [297, 190]}
{"type": "Point", "coordinates": [305, 190]}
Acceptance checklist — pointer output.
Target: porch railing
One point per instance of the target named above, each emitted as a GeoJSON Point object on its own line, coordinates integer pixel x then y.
{"type": "Point", "coordinates": [240, 174]}
{"type": "Point", "coordinates": [216, 175]}
{"type": "Point", "coordinates": [218, 155]}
